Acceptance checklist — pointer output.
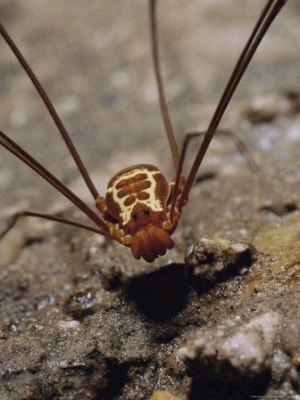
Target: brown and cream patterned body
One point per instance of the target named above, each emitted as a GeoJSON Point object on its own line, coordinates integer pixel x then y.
{"type": "Point", "coordinates": [137, 204]}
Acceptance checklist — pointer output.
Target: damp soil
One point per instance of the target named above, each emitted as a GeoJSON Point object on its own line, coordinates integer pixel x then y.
{"type": "Point", "coordinates": [80, 318]}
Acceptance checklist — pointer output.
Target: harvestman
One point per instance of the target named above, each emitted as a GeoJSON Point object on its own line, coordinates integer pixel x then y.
{"type": "Point", "coordinates": [141, 208]}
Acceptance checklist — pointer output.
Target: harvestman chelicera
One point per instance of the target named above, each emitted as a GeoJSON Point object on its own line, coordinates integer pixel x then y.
{"type": "Point", "coordinates": [141, 209]}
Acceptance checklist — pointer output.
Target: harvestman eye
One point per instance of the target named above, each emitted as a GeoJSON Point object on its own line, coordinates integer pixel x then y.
{"type": "Point", "coordinates": [140, 209]}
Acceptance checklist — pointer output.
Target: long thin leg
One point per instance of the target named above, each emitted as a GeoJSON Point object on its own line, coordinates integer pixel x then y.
{"type": "Point", "coordinates": [253, 34]}
{"type": "Point", "coordinates": [280, 209]}
{"type": "Point", "coordinates": [15, 217]}
{"type": "Point", "coordinates": [11, 146]}
{"type": "Point", "coordinates": [51, 110]}
{"type": "Point", "coordinates": [268, 15]}
{"type": "Point", "coordinates": [160, 86]}
{"type": "Point", "coordinates": [240, 145]}
{"type": "Point", "coordinates": [189, 136]}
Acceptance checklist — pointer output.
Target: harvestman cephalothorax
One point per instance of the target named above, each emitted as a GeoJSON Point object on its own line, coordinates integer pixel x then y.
{"type": "Point", "coordinates": [140, 209]}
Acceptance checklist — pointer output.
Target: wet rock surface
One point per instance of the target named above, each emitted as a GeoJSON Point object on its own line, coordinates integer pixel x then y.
{"type": "Point", "coordinates": [238, 355]}
{"type": "Point", "coordinates": [80, 319]}
{"type": "Point", "coordinates": [216, 260]}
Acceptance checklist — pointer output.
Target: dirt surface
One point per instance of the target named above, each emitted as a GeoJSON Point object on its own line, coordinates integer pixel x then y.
{"type": "Point", "coordinates": [80, 319]}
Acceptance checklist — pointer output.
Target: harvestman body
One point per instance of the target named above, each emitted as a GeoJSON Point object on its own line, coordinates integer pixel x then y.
{"type": "Point", "coordinates": [141, 208]}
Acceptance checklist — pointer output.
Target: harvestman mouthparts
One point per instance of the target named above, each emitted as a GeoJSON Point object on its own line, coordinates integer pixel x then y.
{"type": "Point", "coordinates": [141, 209]}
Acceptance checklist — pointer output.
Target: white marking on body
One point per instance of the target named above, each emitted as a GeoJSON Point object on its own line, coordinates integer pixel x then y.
{"type": "Point", "coordinates": [152, 202]}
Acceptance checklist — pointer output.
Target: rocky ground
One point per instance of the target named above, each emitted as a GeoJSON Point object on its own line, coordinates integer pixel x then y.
{"type": "Point", "coordinates": [80, 319]}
